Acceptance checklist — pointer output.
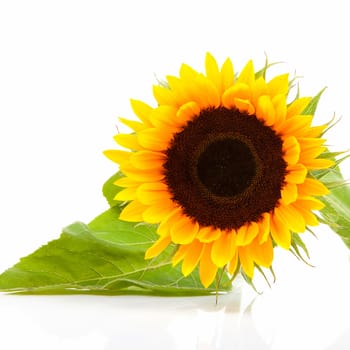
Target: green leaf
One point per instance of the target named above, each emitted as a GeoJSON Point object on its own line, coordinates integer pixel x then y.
{"type": "Point", "coordinates": [336, 212]}
{"type": "Point", "coordinates": [110, 190]}
{"type": "Point", "coordinates": [104, 257]}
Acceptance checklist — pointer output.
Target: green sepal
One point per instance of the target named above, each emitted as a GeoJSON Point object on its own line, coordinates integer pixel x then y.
{"type": "Point", "coordinates": [296, 246]}
{"type": "Point", "coordinates": [249, 280]}
{"type": "Point", "coordinates": [310, 109]}
{"type": "Point", "coordinates": [262, 71]}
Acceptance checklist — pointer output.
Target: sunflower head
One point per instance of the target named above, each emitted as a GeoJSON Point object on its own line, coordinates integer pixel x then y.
{"type": "Point", "coordinates": [223, 164]}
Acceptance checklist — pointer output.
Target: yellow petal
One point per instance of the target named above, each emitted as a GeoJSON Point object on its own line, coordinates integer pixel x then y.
{"type": "Point", "coordinates": [296, 126]}
{"type": "Point", "coordinates": [298, 106]}
{"type": "Point", "coordinates": [309, 155]}
{"type": "Point", "coordinates": [280, 106]}
{"type": "Point", "coordinates": [246, 233]}
{"type": "Point", "coordinates": [280, 232]}
{"type": "Point", "coordinates": [208, 234]}
{"type": "Point", "coordinates": [158, 211]}
{"type": "Point", "coordinates": [310, 203]}
{"type": "Point", "coordinates": [307, 143]}
{"type": "Point", "coordinates": [157, 247]}
{"type": "Point", "coordinates": [233, 264]}
{"type": "Point", "coordinates": [262, 254]}
{"type": "Point", "coordinates": [227, 75]}
{"type": "Point", "coordinates": [264, 228]}
{"type": "Point", "coordinates": [205, 93]}
{"type": "Point", "coordinates": [133, 125]}
{"type": "Point", "coordinates": [223, 249]}
{"type": "Point", "coordinates": [141, 175]}
{"type": "Point", "coordinates": [117, 156]}
{"type": "Point", "coordinates": [212, 70]}
{"type": "Point", "coordinates": [142, 110]}
{"type": "Point", "coordinates": [127, 194]}
{"type": "Point", "coordinates": [168, 222]}
{"type": "Point", "coordinates": [315, 131]}
{"type": "Point", "coordinates": [259, 88]}
{"type": "Point", "coordinates": [180, 254]}
{"type": "Point", "coordinates": [278, 85]}
{"type": "Point", "coordinates": [244, 106]}
{"type": "Point", "coordinates": [290, 217]}
{"type": "Point", "coordinates": [154, 139]}
{"type": "Point", "coordinates": [147, 159]}
{"type": "Point", "coordinates": [246, 261]}
{"type": "Point", "coordinates": [126, 182]}
{"type": "Point", "coordinates": [207, 269]}
{"type": "Point", "coordinates": [291, 150]}
{"type": "Point", "coordinates": [181, 89]}
{"type": "Point", "coordinates": [187, 73]}
{"type": "Point", "coordinates": [309, 217]}
{"type": "Point", "coordinates": [236, 91]}
{"type": "Point", "coordinates": [312, 187]}
{"type": "Point", "coordinates": [165, 117]}
{"type": "Point", "coordinates": [153, 192]}
{"type": "Point", "coordinates": [152, 187]}
{"type": "Point", "coordinates": [265, 110]}
{"type": "Point", "coordinates": [192, 257]}
{"type": "Point", "coordinates": [128, 141]}
{"type": "Point", "coordinates": [184, 230]}
{"type": "Point", "coordinates": [163, 95]}
{"type": "Point", "coordinates": [132, 212]}
{"type": "Point", "coordinates": [289, 193]}
{"type": "Point", "coordinates": [187, 112]}
{"type": "Point", "coordinates": [247, 75]}
{"type": "Point", "coordinates": [296, 174]}
{"type": "Point", "coordinates": [319, 163]}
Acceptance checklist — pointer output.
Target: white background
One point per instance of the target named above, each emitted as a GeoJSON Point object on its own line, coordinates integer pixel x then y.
{"type": "Point", "coordinates": [67, 71]}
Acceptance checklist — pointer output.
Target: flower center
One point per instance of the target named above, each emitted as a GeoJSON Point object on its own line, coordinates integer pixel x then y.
{"type": "Point", "coordinates": [225, 168]}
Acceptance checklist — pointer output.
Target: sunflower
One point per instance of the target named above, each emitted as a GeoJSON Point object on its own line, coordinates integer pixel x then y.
{"type": "Point", "coordinates": [223, 165]}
